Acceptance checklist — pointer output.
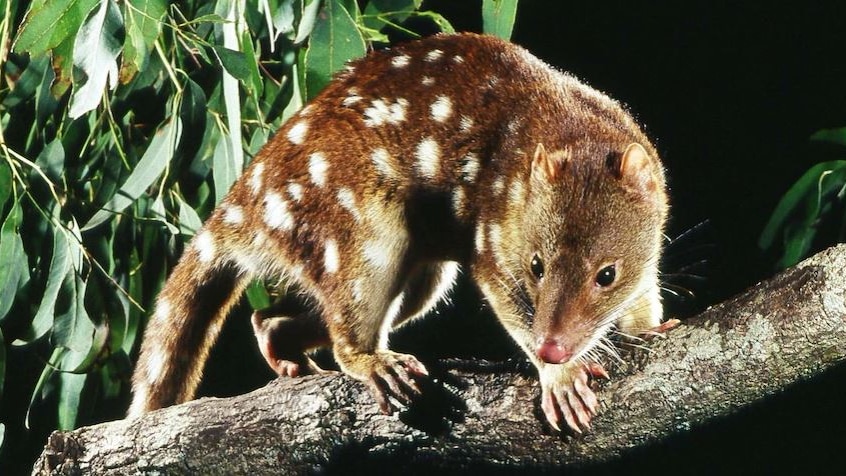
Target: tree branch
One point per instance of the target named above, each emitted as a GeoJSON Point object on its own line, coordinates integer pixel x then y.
{"type": "Point", "coordinates": [474, 415]}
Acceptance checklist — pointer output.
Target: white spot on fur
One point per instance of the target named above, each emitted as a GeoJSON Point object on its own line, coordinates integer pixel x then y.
{"type": "Point", "coordinates": [317, 167]}
{"type": "Point", "coordinates": [498, 186]}
{"type": "Point", "coordinates": [434, 55]}
{"type": "Point", "coordinates": [480, 238]}
{"type": "Point", "coordinates": [276, 213]}
{"type": "Point", "coordinates": [458, 198]}
{"type": "Point", "coordinates": [233, 215]}
{"type": "Point", "coordinates": [383, 162]}
{"type": "Point", "coordinates": [205, 246]}
{"type": "Point", "coordinates": [441, 109]}
{"type": "Point", "coordinates": [259, 239]}
{"type": "Point", "coordinates": [458, 59]}
{"type": "Point", "coordinates": [374, 253]}
{"type": "Point", "coordinates": [295, 190]}
{"type": "Point", "coordinates": [400, 61]}
{"type": "Point", "coordinates": [155, 367]}
{"type": "Point", "coordinates": [330, 256]}
{"type": "Point", "coordinates": [516, 193]}
{"type": "Point", "coordinates": [163, 309]}
{"type": "Point", "coordinates": [495, 236]}
{"type": "Point", "coordinates": [352, 97]}
{"type": "Point", "coordinates": [380, 112]}
{"type": "Point", "coordinates": [428, 156]}
{"type": "Point", "coordinates": [307, 110]}
{"type": "Point", "coordinates": [347, 200]}
{"type": "Point", "coordinates": [469, 168]}
{"type": "Point", "coordinates": [466, 124]}
{"type": "Point", "coordinates": [297, 133]}
{"type": "Point", "coordinates": [427, 81]}
{"type": "Point", "coordinates": [255, 178]}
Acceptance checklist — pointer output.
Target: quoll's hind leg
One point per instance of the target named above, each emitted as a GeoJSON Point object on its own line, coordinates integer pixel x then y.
{"type": "Point", "coordinates": [643, 319]}
{"type": "Point", "coordinates": [285, 332]}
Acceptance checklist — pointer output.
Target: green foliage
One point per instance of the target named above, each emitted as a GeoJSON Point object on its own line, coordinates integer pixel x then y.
{"type": "Point", "coordinates": [812, 203]}
{"type": "Point", "coordinates": [122, 124]}
{"type": "Point", "coordinates": [498, 17]}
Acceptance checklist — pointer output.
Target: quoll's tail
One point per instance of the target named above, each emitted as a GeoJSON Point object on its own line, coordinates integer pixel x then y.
{"type": "Point", "coordinates": [189, 314]}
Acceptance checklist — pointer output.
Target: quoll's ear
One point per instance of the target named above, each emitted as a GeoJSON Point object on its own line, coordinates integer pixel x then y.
{"type": "Point", "coordinates": [637, 170]}
{"type": "Point", "coordinates": [548, 167]}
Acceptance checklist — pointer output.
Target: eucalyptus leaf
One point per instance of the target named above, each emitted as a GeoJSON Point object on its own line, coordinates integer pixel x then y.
{"type": "Point", "coordinates": [235, 63]}
{"type": "Point", "coordinates": [5, 183]}
{"type": "Point", "coordinates": [51, 160]}
{"type": "Point", "coordinates": [71, 388]}
{"type": "Point", "coordinates": [48, 23]}
{"type": "Point", "coordinates": [225, 170]}
{"type": "Point", "coordinates": [143, 26]}
{"type": "Point", "coordinates": [498, 17]}
{"type": "Point", "coordinates": [61, 270]}
{"type": "Point", "coordinates": [835, 136]}
{"type": "Point", "coordinates": [154, 161]}
{"type": "Point", "coordinates": [806, 188]}
{"type": "Point", "coordinates": [377, 13]}
{"type": "Point", "coordinates": [334, 41]}
{"type": "Point", "coordinates": [308, 18]}
{"type": "Point", "coordinates": [13, 259]}
{"type": "Point", "coordinates": [2, 371]}
{"type": "Point", "coordinates": [189, 221]}
{"type": "Point", "coordinates": [95, 52]}
{"type": "Point", "coordinates": [442, 23]}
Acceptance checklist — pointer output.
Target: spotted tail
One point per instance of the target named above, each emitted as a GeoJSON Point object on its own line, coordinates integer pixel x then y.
{"type": "Point", "coordinates": [189, 314]}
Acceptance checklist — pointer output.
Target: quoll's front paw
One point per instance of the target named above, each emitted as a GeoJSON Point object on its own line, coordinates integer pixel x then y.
{"type": "Point", "coordinates": [565, 393]}
{"type": "Point", "coordinates": [388, 375]}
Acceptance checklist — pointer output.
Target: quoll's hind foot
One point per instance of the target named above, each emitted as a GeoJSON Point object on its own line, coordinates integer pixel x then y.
{"type": "Point", "coordinates": [283, 342]}
{"type": "Point", "coordinates": [566, 393]}
{"type": "Point", "coordinates": [388, 375]}
{"type": "Point", "coordinates": [295, 368]}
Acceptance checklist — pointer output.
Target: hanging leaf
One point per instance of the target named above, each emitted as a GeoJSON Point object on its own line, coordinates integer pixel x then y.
{"type": "Point", "coordinates": [149, 168]}
{"type": "Point", "coordinates": [189, 221]}
{"type": "Point", "coordinates": [48, 23]}
{"type": "Point", "coordinates": [5, 184]}
{"type": "Point", "coordinates": [2, 373]}
{"type": "Point", "coordinates": [13, 259]}
{"type": "Point", "coordinates": [71, 387]}
{"type": "Point", "coordinates": [498, 17]}
{"type": "Point", "coordinates": [95, 52]}
{"type": "Point", "coordinates": [334, 41]}
{"type": "Point", "coordinates": [836, 136]}
{"type": "Point", "coordinates": [225, 169]}
{"type": "Point", "coordinates": [795, 220]}
{"type": "Point", "coordinates": [143, 25]}
{"type": "Point", "coordinates": [61, 273]}
{"type": "Point", "coordinates": [380, 13]}
{"type": "Point", "coordinates": [234, 62]}
{"type": "Point", "coordinates": [307, 19]}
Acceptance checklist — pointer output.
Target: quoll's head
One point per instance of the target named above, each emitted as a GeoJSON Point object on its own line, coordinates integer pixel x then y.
{"type": "Point", "coordinates": [594, 232]}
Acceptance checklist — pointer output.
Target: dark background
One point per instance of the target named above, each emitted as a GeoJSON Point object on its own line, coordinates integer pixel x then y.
{"type": "Point", "coordinates": [730, 92]}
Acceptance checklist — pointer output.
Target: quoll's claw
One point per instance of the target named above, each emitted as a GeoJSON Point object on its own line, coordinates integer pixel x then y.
{"type": "Point", "coordinates": [661, 329]}
{"type": "Point", "coordinates": [565, 393]}
{"type": "Point", "coordinates": [393, 376]}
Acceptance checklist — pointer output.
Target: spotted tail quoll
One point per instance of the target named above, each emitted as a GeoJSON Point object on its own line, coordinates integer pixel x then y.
{"type": "Point", "coordinates": [451, 152]}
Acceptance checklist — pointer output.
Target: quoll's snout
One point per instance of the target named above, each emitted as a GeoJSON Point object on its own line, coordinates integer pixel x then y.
{"type": "Point", "coordinates": [553, 351]}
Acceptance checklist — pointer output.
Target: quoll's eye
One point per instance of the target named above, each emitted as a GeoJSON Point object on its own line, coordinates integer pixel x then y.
{"type": "Point", "coordinates": [537, 266]}
{"type": "Point", "coordinates": [606, 276]}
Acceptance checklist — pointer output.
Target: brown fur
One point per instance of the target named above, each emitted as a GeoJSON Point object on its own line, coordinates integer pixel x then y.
{"type": "Point", "coordinates": [484, 156]}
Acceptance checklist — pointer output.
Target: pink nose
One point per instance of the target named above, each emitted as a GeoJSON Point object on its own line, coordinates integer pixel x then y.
{"type": "Point", "coordinates": [553, 352]}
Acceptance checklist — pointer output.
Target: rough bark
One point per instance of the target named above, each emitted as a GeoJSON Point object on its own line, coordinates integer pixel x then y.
{"type": "Point", "coordinates": [476, 416]}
